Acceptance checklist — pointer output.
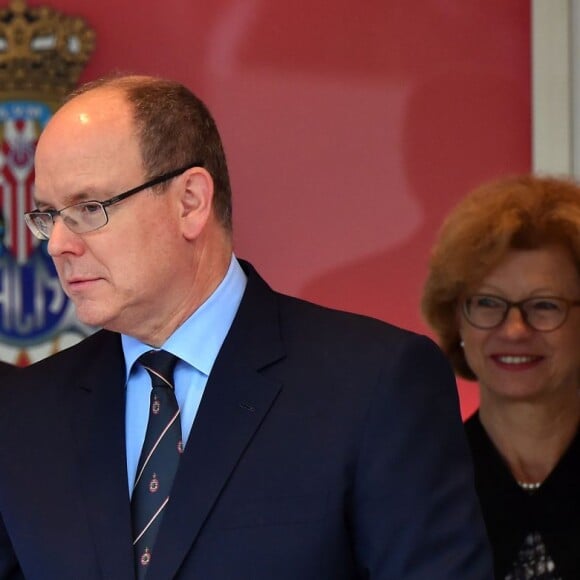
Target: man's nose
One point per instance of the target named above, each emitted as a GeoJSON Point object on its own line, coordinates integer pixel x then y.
{"type": "Point", "coordinates": [63, 241]}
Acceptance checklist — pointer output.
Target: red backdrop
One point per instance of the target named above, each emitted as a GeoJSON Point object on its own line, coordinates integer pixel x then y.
{"type": "Point", "coordinates": [351, 126]}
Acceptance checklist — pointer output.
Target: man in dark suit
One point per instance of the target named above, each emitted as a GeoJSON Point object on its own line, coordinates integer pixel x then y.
{"type": "Point", "coordinates": [313, 444]}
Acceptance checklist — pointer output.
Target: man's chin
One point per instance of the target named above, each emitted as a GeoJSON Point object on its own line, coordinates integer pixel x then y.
{"type": "Point", "coordinates": [90, 315]}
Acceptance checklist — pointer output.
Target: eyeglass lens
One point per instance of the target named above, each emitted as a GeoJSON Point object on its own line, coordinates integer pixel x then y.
{"type": "Point", "coordinates": [79, 218]}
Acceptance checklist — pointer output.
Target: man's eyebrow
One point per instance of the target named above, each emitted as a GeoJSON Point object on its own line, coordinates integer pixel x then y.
{"type": "Point", "coordinates": [69, 199]}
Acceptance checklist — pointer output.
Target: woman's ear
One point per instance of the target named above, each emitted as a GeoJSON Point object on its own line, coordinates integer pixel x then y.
{"type": "Point", "coordinates": [196, 201]}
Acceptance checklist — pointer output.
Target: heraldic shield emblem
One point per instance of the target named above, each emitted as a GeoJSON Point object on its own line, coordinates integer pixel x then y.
{"type": "Point", "coordinates": [42, 53]}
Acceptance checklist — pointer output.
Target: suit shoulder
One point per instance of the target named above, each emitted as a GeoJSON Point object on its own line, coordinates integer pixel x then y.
{"type": "Point", "coordinates": [74, 357]}
{"type": "Point", "coordinates": [319, 324]}
{"type": "Point", "coordinates": [323, 317]}
{"type": "Point", "coordinates": [7, 369]}
{"type": "Point", "coordinates": [305, 324]}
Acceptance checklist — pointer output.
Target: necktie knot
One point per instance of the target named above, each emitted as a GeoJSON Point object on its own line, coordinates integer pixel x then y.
{"type": "Point", "coordinates": [160, 365]}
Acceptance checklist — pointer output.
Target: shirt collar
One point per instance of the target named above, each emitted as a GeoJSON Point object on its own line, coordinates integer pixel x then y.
{"type": "Point", "coordinates": [198, 340]}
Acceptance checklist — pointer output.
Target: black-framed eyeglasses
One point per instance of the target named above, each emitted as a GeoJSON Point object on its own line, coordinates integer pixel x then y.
{"type": "Point", "coordinates": [91, 215]}
{"type": "Point", "coordinates": [543, 313]}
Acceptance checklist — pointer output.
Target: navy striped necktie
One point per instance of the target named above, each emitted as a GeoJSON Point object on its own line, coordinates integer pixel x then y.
{"type": "Point", "coordinates": [159, 457]}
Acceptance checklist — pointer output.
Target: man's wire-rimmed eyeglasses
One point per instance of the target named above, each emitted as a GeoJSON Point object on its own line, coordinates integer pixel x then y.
{"type": "Point", "coordinates": [543, 313]}
{"type": "Point", "coordinates": [91, 215]}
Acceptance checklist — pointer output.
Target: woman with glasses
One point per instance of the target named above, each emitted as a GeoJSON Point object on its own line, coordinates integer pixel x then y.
{"type": "Point", "coordinates": [503, 296]}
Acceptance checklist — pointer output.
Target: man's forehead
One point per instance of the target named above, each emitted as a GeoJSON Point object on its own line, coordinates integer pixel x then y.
{"type": "Point", "coordinates": [86, 126]}
{"type": "Point", "coordinates": [60, 185]}
{"type": "Point", "coordinates": [88, 146]}
{"type": "Point", "coordinates": [97, 110]}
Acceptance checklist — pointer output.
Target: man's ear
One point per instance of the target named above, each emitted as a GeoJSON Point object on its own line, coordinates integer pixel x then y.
{"type": "Point", "coordinates": [196, 201]}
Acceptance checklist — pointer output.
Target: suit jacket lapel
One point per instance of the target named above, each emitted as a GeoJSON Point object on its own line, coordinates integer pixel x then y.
{"type": "Point", "coordinates": [236, 400]}
{"type": "Point", "coordinates": [99, 430]}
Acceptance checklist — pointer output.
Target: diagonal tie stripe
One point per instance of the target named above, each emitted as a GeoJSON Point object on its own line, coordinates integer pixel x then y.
{"type": "Point", "coordinates": [145, 461]}
{"type": "Point", "coordinates": [151, 521]}
{"type": "Point", "coordinates": [159, 458]}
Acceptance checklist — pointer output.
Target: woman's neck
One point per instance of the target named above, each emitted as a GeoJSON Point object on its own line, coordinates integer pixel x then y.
{"type": "Point", "coordinates": [531, 436]}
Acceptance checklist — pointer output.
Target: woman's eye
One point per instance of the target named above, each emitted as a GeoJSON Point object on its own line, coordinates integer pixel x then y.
{"type": "Point", "coordinates": [488, 302]}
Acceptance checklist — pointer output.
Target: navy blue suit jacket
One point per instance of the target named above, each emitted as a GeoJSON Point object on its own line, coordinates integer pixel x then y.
{"type": "Point", "coordinates": [326, 446]}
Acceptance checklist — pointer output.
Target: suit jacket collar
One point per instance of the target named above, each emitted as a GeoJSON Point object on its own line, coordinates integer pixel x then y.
{"type": "Point", "coordinates": [236, 400]}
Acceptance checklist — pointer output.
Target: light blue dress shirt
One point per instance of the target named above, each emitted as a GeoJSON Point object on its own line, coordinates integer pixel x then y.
{"type": "Point", "coordinates": [196, 343]}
